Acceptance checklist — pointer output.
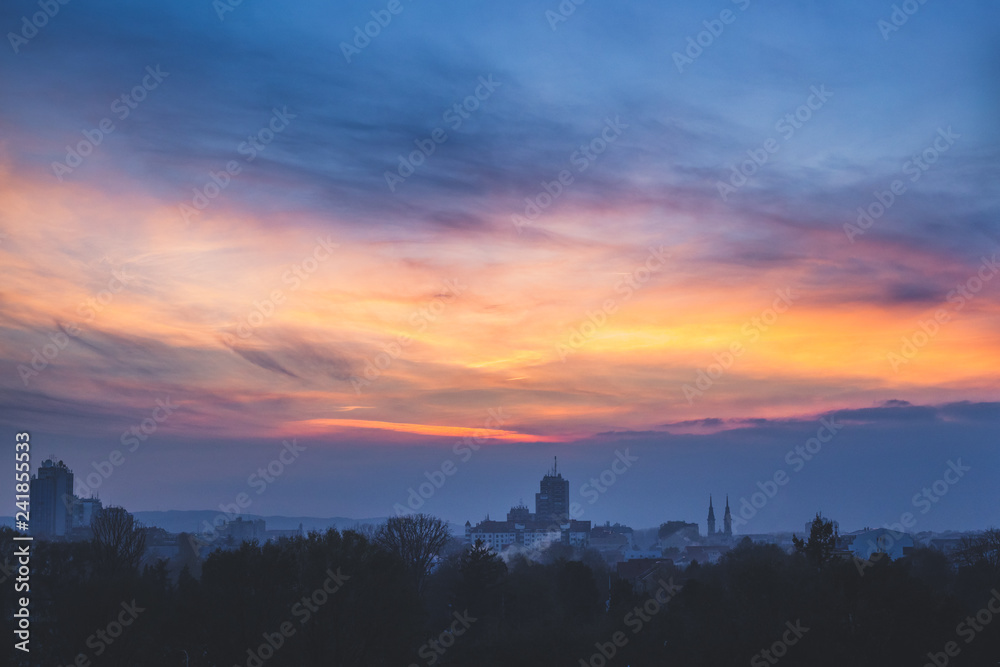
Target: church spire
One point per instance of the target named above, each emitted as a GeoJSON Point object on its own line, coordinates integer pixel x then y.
{"type": "Point", "coordinates": [727, 520]}
{"type": "Point", "coordinates": [711, 517]}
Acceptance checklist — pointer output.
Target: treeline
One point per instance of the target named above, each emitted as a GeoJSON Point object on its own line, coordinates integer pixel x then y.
{"type": "Point", "coordinates": [406, 594]}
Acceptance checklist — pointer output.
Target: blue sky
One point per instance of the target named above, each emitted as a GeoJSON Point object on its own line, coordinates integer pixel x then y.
{"type": "Point", "coordinates": [195, 277]}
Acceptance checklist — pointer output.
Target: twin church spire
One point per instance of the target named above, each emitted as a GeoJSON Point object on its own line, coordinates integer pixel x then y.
{"type": "Point", "coordinates": [727, 519]}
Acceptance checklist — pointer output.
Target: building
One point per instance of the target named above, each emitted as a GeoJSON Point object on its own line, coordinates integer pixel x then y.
{"type": "Point", "coordinates": [704, 553]}
{"type": "Point", "coordinates": [241, 530]}
{"type": "Point", "coordinates": [549, 524]}
{"type": "Point", "coordinates": [52, 500]}
{"type": "Point", "coordinates": [677, 535]}
{"type": "Point", "coordinates": [498, 535]}
{"type": "Point", "coordinates": [552, 499]}
{"type": "Point", "coordinates": [84, 511]}
{"type": "Point", "coordinates": [727, 521]}
{"type": "Point", "coordinates": [866, 543]}
{"type": "Point", "coordinates": [279, 534]}
{"type": "Point", "coordinates": [609, 543]}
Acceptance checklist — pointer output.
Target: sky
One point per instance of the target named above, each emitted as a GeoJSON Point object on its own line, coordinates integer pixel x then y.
{"type": "Point", "coordinates": [453, 240]}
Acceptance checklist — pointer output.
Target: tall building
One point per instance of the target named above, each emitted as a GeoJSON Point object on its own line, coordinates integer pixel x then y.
{"type": "Point", "coordinates": [711, 518]}
{"type": "Point", "coordinates": [244, 530]}
{"type": "Point", "coordinates": [84, 511]}
{"type": "Point", "coordinates": [552, 499]}
{"type": "Point", "coordinates": [727, 520]}
{"type": "Point", "coordinates": [52, 500]}
{"type": "Point", "coordinates": [548, 525]}
{"type": "Point", "coordinates": [520, 514]}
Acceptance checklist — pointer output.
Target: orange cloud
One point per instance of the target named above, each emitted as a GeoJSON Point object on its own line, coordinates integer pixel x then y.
{"type": "Point", "coordinates": [324, 425]}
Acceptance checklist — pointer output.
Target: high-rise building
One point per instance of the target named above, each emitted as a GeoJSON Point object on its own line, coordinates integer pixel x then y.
{"type": "Point", "coordinates": [84, 511]}
{"type": "Point", "coordinates": [711, 518]}
{"type": "Point", "coordinates": [244, 530]}
{"type": "Point", "coordinates": [727, 520]}
{"type": "Point", "coordinates": [52, 500]}
{"type": "Point", "coordinates": [548, 525]}
{"type": "Point", "coordinates": [552, 499]}
{"type": "Point", "coordinates": [520, 514]}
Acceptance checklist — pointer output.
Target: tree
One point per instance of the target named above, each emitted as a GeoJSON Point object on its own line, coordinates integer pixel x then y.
{"type": "Point", "coordinates": [822, 542]}
{"type": "Point", "coordinates": [416, 539]}
{"type": "Point", "coordinates": [482, 571]}
{"type": "Point", "coordinates": [983, 549]}
{"type": "Point", "coordinates": [119, 540]}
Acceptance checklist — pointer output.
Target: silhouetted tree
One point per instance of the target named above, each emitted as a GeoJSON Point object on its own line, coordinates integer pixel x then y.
{"type": "Point", "coordinates": [822, 541]}
{"type": "Point", "coordinates": [482, 571]}
{"type": "Point", "coordinates": [119, 540]}
{"type": "Point", "coordinates": [416, 539]}
{"type": "Point", "coordinates": [981, 549]}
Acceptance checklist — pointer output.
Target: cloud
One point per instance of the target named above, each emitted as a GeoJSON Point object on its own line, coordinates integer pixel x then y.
{"type": "Point", "coordinates": [263, 360]}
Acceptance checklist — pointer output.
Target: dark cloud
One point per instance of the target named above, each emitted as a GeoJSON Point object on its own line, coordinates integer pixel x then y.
{"type": "Point", "coordinates": [974, 412]}
{"type": "Point", "coordinates": [890, 411]}
{"type": "Point", "coordinates": [263, 360]}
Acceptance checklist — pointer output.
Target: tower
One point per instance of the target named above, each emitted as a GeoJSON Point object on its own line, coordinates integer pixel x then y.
{"type": "Point", "coordinates": [552, 499]}
{"type": "Point", "coordinates": [711, 518]}
{"type": "Point", "coordinates": [727, 520]}
{"type": "Point", "coordinates": [52, 499]}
